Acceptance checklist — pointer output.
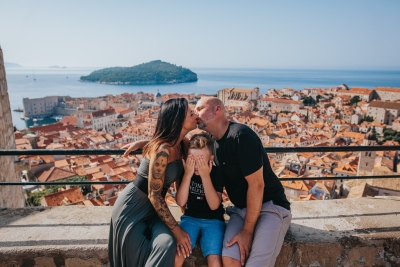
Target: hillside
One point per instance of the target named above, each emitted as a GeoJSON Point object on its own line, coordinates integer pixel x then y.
{"type": "Point", "coordinates": [154, 72]}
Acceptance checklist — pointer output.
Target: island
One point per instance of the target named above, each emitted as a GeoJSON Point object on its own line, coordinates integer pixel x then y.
{"type": "Point", "coordinates": [11, 65]}
{"type": "Point", "coordinates": [154, 72]}
{"type": "Point", "coordinates": [57, 67]}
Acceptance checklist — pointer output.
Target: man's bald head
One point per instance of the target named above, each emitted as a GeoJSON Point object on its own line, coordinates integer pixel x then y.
{"type": "Point", "coordinates": [213, 102]}
{"type": "Point", "coordinates": [211, 114]}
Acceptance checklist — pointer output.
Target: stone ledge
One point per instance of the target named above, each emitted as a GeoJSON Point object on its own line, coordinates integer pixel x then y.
{"type": "Point", "coordinates": [351, 232]}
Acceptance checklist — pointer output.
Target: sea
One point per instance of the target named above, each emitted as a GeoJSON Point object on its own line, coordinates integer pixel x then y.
{"type": "Point", "coordinates": [38, 82]}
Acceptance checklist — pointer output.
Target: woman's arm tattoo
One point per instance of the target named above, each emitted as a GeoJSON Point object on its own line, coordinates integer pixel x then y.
{"type": "Point", "coordinates": [156, 183]}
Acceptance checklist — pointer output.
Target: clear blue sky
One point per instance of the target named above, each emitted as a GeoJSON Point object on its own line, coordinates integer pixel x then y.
{"type": "Point", "coordinates": [248, 34]}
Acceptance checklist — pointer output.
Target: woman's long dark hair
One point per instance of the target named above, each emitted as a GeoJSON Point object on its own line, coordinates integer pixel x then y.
{"type": "Point", "coordinates": [169, 124]}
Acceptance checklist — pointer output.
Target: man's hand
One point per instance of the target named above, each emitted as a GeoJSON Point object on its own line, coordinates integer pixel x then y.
{"type": "Point", "coordinates": [244, 240]}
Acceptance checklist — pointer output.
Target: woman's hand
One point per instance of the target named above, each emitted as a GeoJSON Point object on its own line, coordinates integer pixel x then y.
{"type": "Point", "coordinates": [133, 147]}
{"type": "Point", "coordinates": [183, 243]}
{"type": "Point", "coordinates": [189, 166]}
{"type": "Point", "coordinates": [203, 168]}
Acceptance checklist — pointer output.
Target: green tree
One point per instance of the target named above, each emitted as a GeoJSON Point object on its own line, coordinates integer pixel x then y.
{"type": "Point", "coordinates": [35, 197]}
{"type": "Point", "coordinates": [389, 132]}
{"type": "Point", "coordinates": [354, 100]}
{"type": "Point", "coordinates": [368, 119]}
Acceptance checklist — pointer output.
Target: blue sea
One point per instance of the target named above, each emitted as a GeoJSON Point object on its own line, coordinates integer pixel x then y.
{"type": "Point", "coordinates": [40, 82]}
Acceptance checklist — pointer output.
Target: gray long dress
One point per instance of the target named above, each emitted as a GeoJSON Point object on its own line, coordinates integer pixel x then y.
{"type": "Point", "coordinates": [138, 237]}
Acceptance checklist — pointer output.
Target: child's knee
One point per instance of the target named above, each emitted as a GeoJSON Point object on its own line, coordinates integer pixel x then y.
{"type": "Point", "coordinates": [214, 260]}
{"type": "Point", "coordinates": [179, 260]}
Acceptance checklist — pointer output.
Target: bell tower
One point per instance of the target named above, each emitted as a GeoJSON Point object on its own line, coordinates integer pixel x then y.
{"type": "Point", "coordinates": [366, 159]}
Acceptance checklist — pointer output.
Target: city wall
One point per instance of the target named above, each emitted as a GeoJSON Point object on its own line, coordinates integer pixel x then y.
{"type": "Point", "coordinates": [68, 111]}
{"type": "Point", "coordinates": [10, 196]}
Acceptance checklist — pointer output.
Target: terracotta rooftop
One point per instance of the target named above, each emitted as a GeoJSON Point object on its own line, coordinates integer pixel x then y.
{"type": "Point", "coordinates": [61, 163]}
{"type": "Point", "coordinates": [382, 104]}
{"type": "Point", "coordinates": [59, 126]}
{"type": "Point", "coordinates": [22, 143]}
{"type": "Point", "coordinates": [100, 113]}
{"type": "Point", "coordinates": [54, 174]}
{"type": "Point", "coordinates": [388, 89]}
{"type": "Point", "coordinates": [280, 100]}
{"type": "Point", "coordinates": [72, 120]}
{"type": "Point", "coordinates": [64, 197]}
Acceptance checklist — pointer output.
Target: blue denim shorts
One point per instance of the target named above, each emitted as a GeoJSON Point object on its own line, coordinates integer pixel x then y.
{"type": "Point", "coordinates": [210, 231]}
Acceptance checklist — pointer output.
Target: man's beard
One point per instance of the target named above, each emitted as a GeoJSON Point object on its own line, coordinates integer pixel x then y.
{"type": "Point", "coordinates": [201, 125]}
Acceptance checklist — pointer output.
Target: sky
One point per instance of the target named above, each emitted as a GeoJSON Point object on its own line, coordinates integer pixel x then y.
{"type": "Point", "coordinates": [356, 34]}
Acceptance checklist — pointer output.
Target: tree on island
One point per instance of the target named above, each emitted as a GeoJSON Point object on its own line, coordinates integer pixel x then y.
{"type": "Point", "coordinates": [154, 72]}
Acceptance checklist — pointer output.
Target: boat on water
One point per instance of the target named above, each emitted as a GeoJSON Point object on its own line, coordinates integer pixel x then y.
{"type": "Point", "coordinates": [18, 109]}
{"type": "Point", "coordinates": [24, 118]}
{"type": "Point", "coordinates": [57, 117]}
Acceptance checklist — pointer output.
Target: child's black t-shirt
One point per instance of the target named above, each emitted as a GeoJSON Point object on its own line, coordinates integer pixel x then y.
{"type": "Point", "coordinates": [197, 205]}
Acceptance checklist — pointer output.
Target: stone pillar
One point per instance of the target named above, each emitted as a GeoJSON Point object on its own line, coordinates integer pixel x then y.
{"type": "Point", "coordinates": [10, 196]}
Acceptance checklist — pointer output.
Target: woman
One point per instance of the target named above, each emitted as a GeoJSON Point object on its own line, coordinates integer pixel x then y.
{"type": "Point", "coordinates": [143, 232]}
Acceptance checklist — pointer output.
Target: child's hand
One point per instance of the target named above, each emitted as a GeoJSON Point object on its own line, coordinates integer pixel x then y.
{"type": "Point", "coordinates": [203, 168]}
{"type": "Point", "coordinates": [189, 166]}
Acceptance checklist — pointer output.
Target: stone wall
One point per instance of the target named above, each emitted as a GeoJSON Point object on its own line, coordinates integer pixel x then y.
{"type": "Point", "coordinates": [348, 233]}
{"type": "Point", "coordinates": [10, 196]}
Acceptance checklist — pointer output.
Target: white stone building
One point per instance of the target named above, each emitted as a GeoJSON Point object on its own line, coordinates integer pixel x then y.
{"type": "Point", "coordinates": [384, 112]}
{"type": "Point", "coordinates": [39, 106]}
{"type": "Point", "coordinates": [102, 118]}
{"type": "Point", "coordinates": [238, 96]}
{"type": "Point", "coordinates": [388, 93]}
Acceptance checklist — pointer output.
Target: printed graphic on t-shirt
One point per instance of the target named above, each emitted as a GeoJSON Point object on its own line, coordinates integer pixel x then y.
{"type": "Point", "coordinates": [197, 189]}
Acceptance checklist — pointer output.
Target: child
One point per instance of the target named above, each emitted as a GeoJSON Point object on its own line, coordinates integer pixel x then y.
{"type": "Point", "coordinates": [200, 192]}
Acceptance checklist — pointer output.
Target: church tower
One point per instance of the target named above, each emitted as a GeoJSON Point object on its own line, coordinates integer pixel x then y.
{"type": "Point", "coordinates": [79, 118]}
{"type": "Point", "coordinates": [366, 159]}
{"type": "Point", "coordinates": [159, 99]}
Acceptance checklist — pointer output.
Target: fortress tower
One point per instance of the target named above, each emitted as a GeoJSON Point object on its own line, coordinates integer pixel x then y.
{"type": "Point", "coordinates": [10, 196]}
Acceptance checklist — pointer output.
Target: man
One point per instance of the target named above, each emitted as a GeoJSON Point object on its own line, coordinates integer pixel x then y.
{"type": "Point", "coordinates": [261, 215]}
